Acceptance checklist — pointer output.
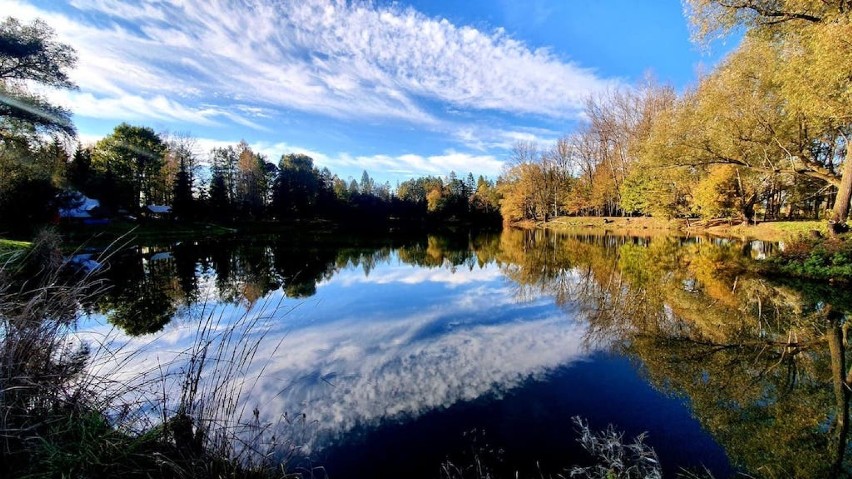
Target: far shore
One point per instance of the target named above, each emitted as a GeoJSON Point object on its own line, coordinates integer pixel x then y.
{"type": "Point", "coordinates": [648, 226]}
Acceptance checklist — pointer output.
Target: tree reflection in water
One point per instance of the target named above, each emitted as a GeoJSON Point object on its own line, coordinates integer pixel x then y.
{"type": "Point", "coordinates": [763, 362]}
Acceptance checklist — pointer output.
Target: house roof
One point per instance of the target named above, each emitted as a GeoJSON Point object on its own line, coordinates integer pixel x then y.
{"type": "Point", "coordinates": [159, 209]}
{"type": "Point", "coordinates": [82, 207]}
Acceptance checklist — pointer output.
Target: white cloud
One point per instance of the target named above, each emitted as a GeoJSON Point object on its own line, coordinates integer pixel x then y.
{"type": "Point", "coordinates": [351, 372]}
{"type": "Point", "coordinates": [482, 138]}
{"type": "Point", "coordinates": [406, 165]}
{"type": "Point", "coordinates": [334, 58]}
{"type": "Point", "coordinates": [407, 274]}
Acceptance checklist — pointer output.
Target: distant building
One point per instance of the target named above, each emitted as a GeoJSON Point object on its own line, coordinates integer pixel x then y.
{"type": "Point", "coordinates": [80, 208]}
{"type": "Point", "coordinates": [158, 211]}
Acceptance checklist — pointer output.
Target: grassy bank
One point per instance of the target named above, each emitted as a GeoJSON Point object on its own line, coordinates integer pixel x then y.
{"type": "Point", "coordinates": [646, 226]}
{"type": "Point", "coordinates": [148, 233]}
{"type": "Point", "coordinates": [617, 225]}
{"type": "Point", "coordinates": [67, 410]}
{"type": "Point", "coordinates": [808, 253]}
{"type": "Point", "coordinates": [766, 231]}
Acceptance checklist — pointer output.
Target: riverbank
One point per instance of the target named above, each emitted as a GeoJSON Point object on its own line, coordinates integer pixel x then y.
{"type": "Point", "coordinates": [67, 414]}
{"type": "Point", "coordinates": [773, 231]}
{"type": "Point", "coordinates": [809, 252]}
{"type": "Point", "coordinates": [164, 232]}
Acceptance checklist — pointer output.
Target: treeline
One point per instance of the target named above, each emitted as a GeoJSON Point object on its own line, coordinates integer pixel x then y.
{"type": "Point", "coordinates": [762, 136]}
{"type": "Point", "coordinates": [134, 167]}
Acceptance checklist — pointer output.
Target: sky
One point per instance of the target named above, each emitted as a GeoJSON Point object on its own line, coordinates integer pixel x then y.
{"type": "Point", "coordinates": [399, 89]}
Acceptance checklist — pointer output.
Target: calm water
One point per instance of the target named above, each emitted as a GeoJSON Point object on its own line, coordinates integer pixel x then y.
{"type": "Point", "coordinates": [386, 357]}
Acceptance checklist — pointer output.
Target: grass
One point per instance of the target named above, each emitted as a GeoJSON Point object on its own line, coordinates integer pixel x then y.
{"type": "Point", "coordinates": [601, 226]}
{"type": "Point", "coordinates": [11, 250]}
{"type": "Point", "coordinates": [648, 226]}
{"type": "Point", "coordinates": [66, 410]}
{"type": "Point", "coordinates": [610, 457]}
{"type": "Point", "coordinates": [613, 457]}
{"type": "Point", "coordinates": [152, 232]}
{"type": "Point", "coordinates": [619, 225]}
{"type": "Point", "coordinates": [7, 245]}
{"type": "Point", "coordinates": [769, 230]}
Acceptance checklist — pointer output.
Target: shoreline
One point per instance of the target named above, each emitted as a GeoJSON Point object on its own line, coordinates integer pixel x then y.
{"type": "Point", "coordinates": [773, 231]}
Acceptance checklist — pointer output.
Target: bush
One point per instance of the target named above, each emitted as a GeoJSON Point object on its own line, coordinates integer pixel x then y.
{"type": "Point", "coordinates": [815, 258]}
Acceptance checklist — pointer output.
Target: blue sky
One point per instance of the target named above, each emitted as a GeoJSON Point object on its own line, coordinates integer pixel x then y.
{"type": "Point", "coordinates": [400, 89]}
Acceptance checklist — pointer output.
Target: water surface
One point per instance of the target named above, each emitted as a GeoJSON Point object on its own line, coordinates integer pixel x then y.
{"type": "Point", "coordinates": [388, 357]}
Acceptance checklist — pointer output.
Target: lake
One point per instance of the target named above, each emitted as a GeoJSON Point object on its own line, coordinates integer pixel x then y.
{"type": "Point", "coordinates": [398, 355]}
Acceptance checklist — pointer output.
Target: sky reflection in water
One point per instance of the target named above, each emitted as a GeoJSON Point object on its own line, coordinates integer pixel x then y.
{"type": "Point", "coordinates": [381, 347]}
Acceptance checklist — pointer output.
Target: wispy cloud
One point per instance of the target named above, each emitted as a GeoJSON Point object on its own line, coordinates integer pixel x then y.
{"type": "Point", "coordinates": [406, 165]}
{"type": "Point", "coordinates": [406, 274]}
{"type": "Point", "coordinates": [348, 371]}
{"type": "Point", "coordinates": [334, 58]}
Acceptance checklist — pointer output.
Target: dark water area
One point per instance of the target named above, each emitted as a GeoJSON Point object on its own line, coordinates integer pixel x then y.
{"type": "Point", "coordinates": [530, 428]}
{"type": "Point", "coordinates": [399, 356]}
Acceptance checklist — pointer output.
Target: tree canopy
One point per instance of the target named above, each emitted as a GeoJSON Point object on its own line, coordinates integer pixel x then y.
{"type": "Point", "coordinates": [31, 53]}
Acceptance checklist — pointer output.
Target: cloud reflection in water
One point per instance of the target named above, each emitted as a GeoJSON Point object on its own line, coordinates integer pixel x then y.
{"type": "Point", "coordinates": [394, 345]}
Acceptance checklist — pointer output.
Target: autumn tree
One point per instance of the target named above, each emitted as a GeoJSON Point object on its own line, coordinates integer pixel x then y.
{"type": "Point", "coordinates": [811, 40]}
{"type": "Point", "coordinates": [529, 185]}
{"type": "Point", "coordinates": [251, 181]}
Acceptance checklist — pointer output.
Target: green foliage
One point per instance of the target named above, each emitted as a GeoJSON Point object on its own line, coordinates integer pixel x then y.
{"type": "Point", "coordinates": [129, 160]}
{"type": "Point", "coordinates": [815, 258]}
{"type": "Point", "coordinates": [31, 53]}
{"type": "Point", "coordinates": [656, 191]}
{"type": "Point", "coordinates": [30, 175]}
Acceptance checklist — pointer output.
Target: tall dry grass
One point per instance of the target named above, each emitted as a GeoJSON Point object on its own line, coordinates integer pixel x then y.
{"type": "Point", "coordinates": [67, 411]}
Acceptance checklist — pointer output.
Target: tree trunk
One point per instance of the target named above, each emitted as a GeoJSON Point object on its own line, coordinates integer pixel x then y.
{"type": "Point", "coordinates": [841, 393]}
{"type": "Point", "coordinates": [748, 214]}
{"type": "Point", "coordinates": [840, 213]}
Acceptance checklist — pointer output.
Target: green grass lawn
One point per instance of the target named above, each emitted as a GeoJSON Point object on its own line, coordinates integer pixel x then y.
{"type": "Point", "coordinates": [7, 245]}
{"type": "Point", "coordinates": [148, 232]}
{"type": "Point", "coordinates": [12, 250]}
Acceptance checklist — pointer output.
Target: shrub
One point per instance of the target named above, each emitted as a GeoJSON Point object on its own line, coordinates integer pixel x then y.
{"type": "Point", "coordinates": [815, 258]}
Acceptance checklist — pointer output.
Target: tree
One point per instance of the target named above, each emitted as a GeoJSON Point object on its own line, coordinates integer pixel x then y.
{"type": "Point", "coordinates": [251, 181]}
{"type": "Point", "coordinates": [32, 131]}
{"type": "Point", "coordinates": [133, 155]}
{"type": "Point", "coordinates": [739, 116]}
{"type": "Point", "coordinates": [223, 162]}
{"type": "Point", "coordinates": [30, 53]}
{"type": "Point", "coordinates": [27, 193]}
{"type": "Point", "coordinates": [367, 184]}
{"type": "Point", "coordinates": [812, 39]}
{"type": "Point", "coordinates": [183, 203]}
{"type": "Point", "coordinates": [296, 187]}
{"type": "Point", "coordinates": [532, 186]}
{"type": "Point", "coordinates": [183, 147]}
{"type": "Point", "coordinates": [218, 201]}
{"type": "Point", "coordinates": [80, 169]}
